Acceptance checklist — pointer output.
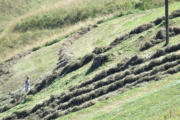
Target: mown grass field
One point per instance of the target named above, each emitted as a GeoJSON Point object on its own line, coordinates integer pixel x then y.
{"type": "Point", "coordinates": [47, 18]}
{"type": "Point", "coordinates": [42, 62]}
{"type": "Point", "coordinates": [150, 101]}
{"type": "Point", "coordinates": [138, 103]}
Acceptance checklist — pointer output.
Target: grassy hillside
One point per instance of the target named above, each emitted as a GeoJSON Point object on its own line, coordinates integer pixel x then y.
{"type": "Point", "coordinates": [158, 98]}
{"type": "Point", "coordinates": [10, 10]}
{"type": "Point", "coordinates": [116, 68]}
{"type": "Point", "coordinates": [28, 24]}
{"type": "Point", "coordinates": [152, 101]}
{"type": "Point", "coordinates": [42, 62]}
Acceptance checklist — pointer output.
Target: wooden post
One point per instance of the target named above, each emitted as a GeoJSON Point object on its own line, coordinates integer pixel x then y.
{"type": "Point", "coordinates": [167, 21]}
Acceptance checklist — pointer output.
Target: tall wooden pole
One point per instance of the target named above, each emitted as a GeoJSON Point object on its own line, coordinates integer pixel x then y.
{"type": "Point", "coordinates": [167, 21]}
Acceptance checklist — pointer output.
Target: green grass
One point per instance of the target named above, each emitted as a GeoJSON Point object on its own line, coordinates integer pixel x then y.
{"type": "Point", "coordinates": [153, 101]}
{"type": "Point", "coordinates": [44, 59]}
{"type": "Point", "coordinates": [10, 9]}
{"type": "Point", "coordinates": [82, 10]}
{"type": "Point", "coordinates": [59, 86]}
{"type": "Point", "coordinates": [41, 62]}
{"type": "Point", "coordinates": [15, 42]}
{"type": "Point", "coordinates": [67, 15]}
{"type": "Point", "coordinates": [47, 19]}
{"type": "Point", "coordinates": [36, 65]}
{"type": "Point", "coordinates": [107, 31]}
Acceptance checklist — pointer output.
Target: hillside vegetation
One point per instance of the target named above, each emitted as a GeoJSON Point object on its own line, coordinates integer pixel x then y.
{"type": "Point", "coordinates": [98, 60]}
{"type": "Point", "coordinates": [28, 24]}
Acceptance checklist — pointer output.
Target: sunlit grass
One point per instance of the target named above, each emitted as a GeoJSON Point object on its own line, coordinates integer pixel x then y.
{"type": "Point", "coordinates": [152, 101]}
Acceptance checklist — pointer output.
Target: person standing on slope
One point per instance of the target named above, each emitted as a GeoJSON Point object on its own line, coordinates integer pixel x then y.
{"type": "Point", "coordinates": [27, 84]}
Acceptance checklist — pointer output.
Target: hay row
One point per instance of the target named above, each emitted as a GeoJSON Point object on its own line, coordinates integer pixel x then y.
{"type": "Point", "coordinates": [131, 78]}
{"type": "Point", "coordinates": [113, 86]}
{"type": "Point", "coordinates": [104, 90]}
{"type": "Point", "coordinates": [113, 79]}
{"type": "Point", "coordinates": [159, 38]}
{"type": "Point", "coordinates": [144, 27]}
{"type": "Point", "coordinates": [84, 61]}
{"type": "Point", "coordinates": [114, 70]}
{"type": "Point", "coordinates": [137, 30]}
{"type": "Point", "coordinates": [132, 61]}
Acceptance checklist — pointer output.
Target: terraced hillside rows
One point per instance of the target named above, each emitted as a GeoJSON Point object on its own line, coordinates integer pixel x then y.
{"type": "Point", "coordinates": [86, 59]}
{"type": "Point", "coordinates": [153, 68]}
{"type": "Point", "coordinates": [127, 73]}
{"type": "Point", "coordinates": [33, 23]}
{"type": "Point", "coordinates": [97, 63]}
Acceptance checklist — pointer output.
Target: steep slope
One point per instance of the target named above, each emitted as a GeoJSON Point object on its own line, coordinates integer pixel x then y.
{"type": "Point", "coordinates": [157, 100]}
{"type": "Point", "coordinates": [113, 65]}
{"type": "Point", "coordinates": [28, 24]}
